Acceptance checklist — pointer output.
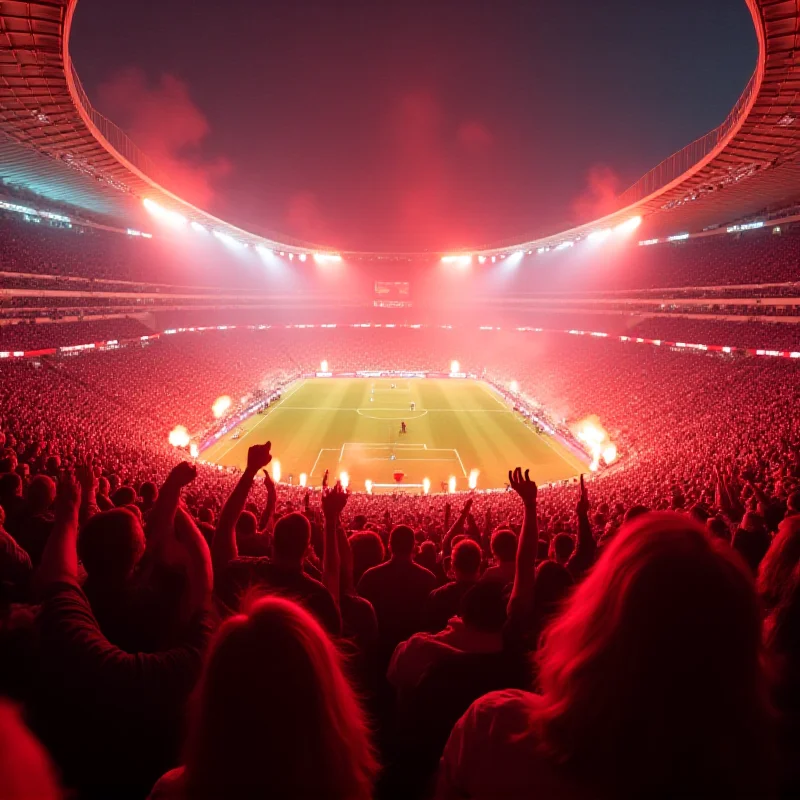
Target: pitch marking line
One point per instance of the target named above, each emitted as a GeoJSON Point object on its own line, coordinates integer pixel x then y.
{"type": "Point", "coordinates": [395, 408]}
{"type": "Point", "coordinates": [544, 439]}
{"type": "Point", "coordinates": [319, 456]}
{"type": "Point", "coordinates": [460, 462]}
{"type": "Point", "coordinates": [403, 459]}
{"type": "Point", "coordinates": [418, 414]}
{"type": "Point", "coordinates": [493, 395]}
{"type": "Point", "coordinates": [255, 427]}
{"type": "Point", "coordinates": [377, 445]}
{"type": "Point", "coordinates": [560, 452]}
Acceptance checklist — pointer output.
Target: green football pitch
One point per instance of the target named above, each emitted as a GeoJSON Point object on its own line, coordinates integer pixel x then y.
{"type": "Point", "coordinates": [352, 425]}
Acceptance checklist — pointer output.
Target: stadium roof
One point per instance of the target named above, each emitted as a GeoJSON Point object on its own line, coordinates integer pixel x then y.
{"type": "Point", "coordinates": [53, 142]}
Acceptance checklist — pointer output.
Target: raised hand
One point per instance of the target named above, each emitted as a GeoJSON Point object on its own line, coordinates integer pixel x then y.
{"type": "Point", "coordinates": [334, 500]}
{"type": "Point", "coordinates": [523, 485]}
{"type": "Point", "coordinates": [325, 480]}
{"type": "Point", "coordinates": [183, 474]}
{"type": "Point", "coordinates": [583, 499]}
{"type": "Point", "coordinates": [258, 456]}
{"type": "Point", "coordinates": [269, 483]}
{"type": "Point", "coordinates": [68, 495]}
{"type": "Point", "coordinates": [86, 475]}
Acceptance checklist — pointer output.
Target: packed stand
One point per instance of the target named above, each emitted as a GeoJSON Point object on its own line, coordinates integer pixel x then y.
{"type": "Point", "coordinates": [174, 632]}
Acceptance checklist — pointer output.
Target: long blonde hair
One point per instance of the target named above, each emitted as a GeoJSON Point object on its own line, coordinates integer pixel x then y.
{"type": "Point", "coordinates": [652, 676]}
{"type": "Point", "coordinates": [275, 715]}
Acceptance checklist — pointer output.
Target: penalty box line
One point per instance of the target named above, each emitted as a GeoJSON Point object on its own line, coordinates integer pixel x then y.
{"type": "Point", "coordinates": [409, 448]}
{"type": "Point", "coordinates": [455, 455]}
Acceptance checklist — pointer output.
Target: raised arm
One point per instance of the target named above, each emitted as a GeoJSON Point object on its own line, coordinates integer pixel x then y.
{"type": "Point", "coordinates": [223, 547]}
{"type": "Point", "coordinates": [486, 535]}
{"type": "Point", "coordinates": [88, 477]}
{"type": "Point", "coordinates": [525, 571]}
{"type": "Point", "coordinates": [59, 562]}
{"type": "Point", "coordinates": [161, 521]}
{"type": "Point", "coordinates": [333, 503]}
{"type": "Point", "coordinates": [586, 549]}
{"type": "Point", "coordinates": [456, 528]}
{"type": "Point", "coordinates": [267, 517]}
{"type": "Point", "coordinates": [347, 584]}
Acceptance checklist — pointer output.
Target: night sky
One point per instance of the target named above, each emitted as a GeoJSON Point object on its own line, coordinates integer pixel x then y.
{"type": "Point", "coordinates": [411, 125]}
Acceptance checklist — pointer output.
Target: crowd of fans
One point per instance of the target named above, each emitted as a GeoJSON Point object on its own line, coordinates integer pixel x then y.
{"type": "Point", "coordinates": [53, 273]}
{"type": "Point", "coordinates": [29, 336]}
{"type": "Point", "coordinates": [119, 323]}
{"type": "Point", "coordinates": [754, 257]}
{"type": "Point", "coordinates": [173, 631]}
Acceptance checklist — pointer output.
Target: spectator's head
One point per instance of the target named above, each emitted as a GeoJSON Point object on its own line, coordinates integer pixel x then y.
{"type": "Point", "coordinates": [401, 542]}
{"type": "Point", "coordinates": [368, 551]}
{"type": "Point", "coordinates": [651, 676]}
{"type": "Point", "coordinates": [291, 540]}
{"type": "Point", "coordinates": [426, 556]}
{"type": "Point", "coordinates": [553, 583]}
{"type": "Point", "coordinates": [124, 496]}
{"type": "Point", "coordinates": [53, 465]}
{"type": "Point", "coordinates": [504, 546]}
{"type": "Point", "coordinates": [10, 486]}
{"type": "Point", "coordinates": [752, 545]}
{"type": "Point", "coordinates": [635, 511]}
{"type": "Point", "coordinates": [274, 714]}
{"type": "Point", "coordinates": [358, 523]}
{"type": "Point", "coordinates": [563, 547]}
{"type": "Point", "coordinates": [719, 528]}
{"type": "Point", "coordinates": [483, 607]}
{"type": "Point", "coordinates": [542, 550]}
{"type": "Point", "coordinates": [148, 491]}
{"type": "Point", "coordinates": [247, 524]}
{"type": "Point", "coordinates": [26, 771]}
{"type": "Point", "coordinates": [110, 545]}
{"type": "Point", "coordinates": [754, 522]}
{"type": "Point", "coordinates": [205, 515]}
{"type": "Point", "coordinates": [8, 463]}
{"type": "Point", "coordinates": [41, 493]}
{"type": "Point", "coordinates": [776, 568]}
{"type": "Point", "coordinates": [466, 561]}
{"type": "Point", "coordinates": [793, 503]}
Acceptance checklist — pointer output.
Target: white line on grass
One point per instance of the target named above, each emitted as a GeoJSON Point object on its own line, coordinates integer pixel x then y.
{"type": "Point", "coordinates": [406, 416]}
{"type": "Point", "coordinates": [558, 452]}
{"type": "Point", "coordinates": [460, 462]}
{"type": "Point", "coordinates": [402, 459]}
{"type": "Point", "coordinates": [255, 427]}
{"type": "Point", "coordinates": [319, 456]}
{"type": "Point", "coordinates": [494, 396]}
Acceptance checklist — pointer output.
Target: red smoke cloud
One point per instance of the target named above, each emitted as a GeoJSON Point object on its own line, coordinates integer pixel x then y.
{"type": "Point", "coordinates": [164, 122]}
{"type": "Point", "coordinates": [433, 162]}
{"type": "Point", "coordinates": [603, 185]}
{"type": "Point", "coordinates": [304, 218]}
{"type": "Point", "coordinates": [475, 137]}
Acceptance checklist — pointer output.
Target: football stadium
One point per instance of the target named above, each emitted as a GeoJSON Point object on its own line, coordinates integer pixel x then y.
{"type": "Point", "coordinates": [399, 400]}
{"type": "Point", "coordinates": [399, 434]}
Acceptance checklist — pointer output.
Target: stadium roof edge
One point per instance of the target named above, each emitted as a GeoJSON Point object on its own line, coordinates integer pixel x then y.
{"type": "Point", "coordinates": [56, 143]}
